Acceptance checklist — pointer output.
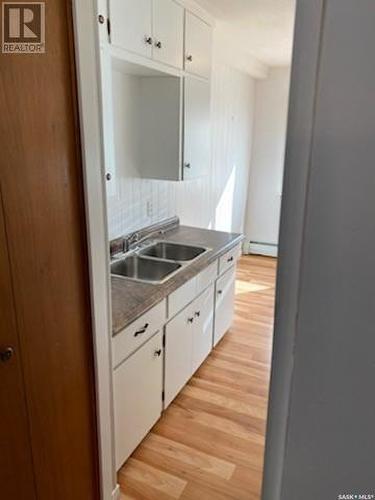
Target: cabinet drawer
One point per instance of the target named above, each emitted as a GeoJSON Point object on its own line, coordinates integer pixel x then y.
{"type": "Point", "coordinates": [206, 277]}
{"type": "Point", "coordinates": [181, 297]}
{"type": "Point", "coordinates": [190, 290]}
{"type": "Point", "coordinates": [134, 335]}
{"type": "Point", "coordinates": [229, 259]}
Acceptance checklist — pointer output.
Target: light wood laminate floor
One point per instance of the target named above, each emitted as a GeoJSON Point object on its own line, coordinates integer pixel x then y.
{"type": "Point", "coordinates": [209, 444]}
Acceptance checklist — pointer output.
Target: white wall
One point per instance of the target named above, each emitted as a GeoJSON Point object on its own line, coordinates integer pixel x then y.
{"type": "Point", "coordinates": [233, 95]}
{"type": "Point", "coordinates": [267, 164]}
{"type": "Point", "coordinates": [216, 201]}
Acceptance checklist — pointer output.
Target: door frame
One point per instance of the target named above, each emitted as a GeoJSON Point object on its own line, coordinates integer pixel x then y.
{"type": "Point", "coordinates": [90, 117]}
{"type": "Point", "coordinates": [300, 129]}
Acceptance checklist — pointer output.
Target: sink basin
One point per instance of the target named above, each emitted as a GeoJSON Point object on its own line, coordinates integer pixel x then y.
{"type": "Point", "coordinates": [173, 251]}
{"type": "Point", "coordinates": [143, 269]}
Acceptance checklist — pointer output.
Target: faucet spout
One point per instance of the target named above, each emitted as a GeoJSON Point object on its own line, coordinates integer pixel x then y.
{"type": "Point", "coordinates": [130, 240]}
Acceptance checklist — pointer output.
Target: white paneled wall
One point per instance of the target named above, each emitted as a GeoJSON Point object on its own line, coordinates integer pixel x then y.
{"type": "Point", "coordinates": [215, 201]}
{"type": "Point", "coordinates": [232, 129]}
{"type": "Point", "coordinates": [267, 166]}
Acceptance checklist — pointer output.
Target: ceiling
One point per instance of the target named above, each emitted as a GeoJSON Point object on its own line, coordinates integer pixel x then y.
{"type": "Point", "coordinates": [263, 27]}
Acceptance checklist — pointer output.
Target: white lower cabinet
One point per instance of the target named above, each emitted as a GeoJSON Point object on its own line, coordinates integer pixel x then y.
{"type": "Point", "coordinates": [178, 353]}
{"type": "Point", "coordinates": [140, 379]}
{"type": "Point", "coordinates": [224, 303]}
{"type": "Point", "coordinates": [188, 341]}
{"type": "Point", "coordinates": [203, 327]}
{"type": "Point", "coordinates": [137, 387]}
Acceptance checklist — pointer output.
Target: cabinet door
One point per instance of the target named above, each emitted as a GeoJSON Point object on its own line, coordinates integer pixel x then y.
{"type": "Point", "coordinates": [137, 387]}
{"type": "Point", "coordinates": [161, 127]}
{"type": "Point", "coordinates": [196, 129]}
{"type": "Point", "coordinates": [131, 25]}
{"type": "Point", "coordinates": [168, 24]}
{"type": "Point", "coordinates": [224, 303]}
{"type": "Point", "coordinates": [198, 42]}
{"type": "Point", "coordinates": [178, 353]}
{"type": "Point", "coordinates": [203, 327]}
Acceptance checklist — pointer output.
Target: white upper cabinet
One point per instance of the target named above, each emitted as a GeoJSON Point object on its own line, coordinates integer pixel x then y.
{"type": "Point", "coordinates": [156, 107]}
{"type": "Point", "coordinates": [131, 25]}
{"type": "Point", "coordinates": [168, 29]}
{"type": "Point", "coordinates": [196, 128]}
{"type": "Point", "coordinates": [198, 41]}
{"type": "Point", "coordinates": [160, 127]}
{"type": "Point", "coordinates": [150, 28]}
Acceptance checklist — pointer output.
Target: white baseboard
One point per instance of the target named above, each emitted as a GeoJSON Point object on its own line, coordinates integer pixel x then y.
{"type": "Point", "coordinates": [267, 249]}
{"type": "Point", "coordinates": [116, 493]}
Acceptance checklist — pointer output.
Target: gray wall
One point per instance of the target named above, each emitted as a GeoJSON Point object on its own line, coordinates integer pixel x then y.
{"type": "Point", "coordinates": [321, 434]}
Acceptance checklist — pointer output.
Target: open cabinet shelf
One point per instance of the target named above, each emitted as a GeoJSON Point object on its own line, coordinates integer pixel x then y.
{"type": "Point", "coordinates": [156, 124]}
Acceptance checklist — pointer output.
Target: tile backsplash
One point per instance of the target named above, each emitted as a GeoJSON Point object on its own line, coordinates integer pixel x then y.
{"type": "Point", "coordinates": [138, 203]}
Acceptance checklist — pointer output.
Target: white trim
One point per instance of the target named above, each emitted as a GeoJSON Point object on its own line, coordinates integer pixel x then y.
{"type": "Point", "coordinates": [263, 249]}
{"type": "Point", "coordinates": [88, 76]}
{"type": "Point", "coordinates": [116, 493]}
{"type": "Point", "coordinates": [122, 58]}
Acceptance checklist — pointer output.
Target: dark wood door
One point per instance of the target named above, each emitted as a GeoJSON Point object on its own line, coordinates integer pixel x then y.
{"type": "Point", "coordinates": [44, 221]}
{"type": "Point", "coordinates": [15, 455]}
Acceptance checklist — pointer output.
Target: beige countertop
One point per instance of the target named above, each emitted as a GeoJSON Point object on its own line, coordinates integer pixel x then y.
{"type": "Point", "coordinates": [131, 299]}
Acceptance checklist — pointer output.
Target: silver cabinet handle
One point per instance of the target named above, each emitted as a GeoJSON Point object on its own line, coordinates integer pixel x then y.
{"type": "Point", "coordinates": [231, 259]}
{"type": "Point", "coordinates": [157, 353]}
{"type": "Point", "coordinates": [148, 40]}
{"type": "Point", "coordinates": [197, 314]}
{"type": "Point", "coordinates": [158, 44]}
{"type": "Point", "coordinates": [187, 165]}
{"type": "Point", "coordinates": [190, 320]}
{"type": "Point", "coordinates": [189, 58]}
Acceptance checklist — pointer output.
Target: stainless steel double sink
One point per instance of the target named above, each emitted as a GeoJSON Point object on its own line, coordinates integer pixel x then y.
{"type": "Point", "coordinates": [156, 262]}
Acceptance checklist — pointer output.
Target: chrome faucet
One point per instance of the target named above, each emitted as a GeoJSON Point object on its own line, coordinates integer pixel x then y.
{"type": "Point", "coordinates": [139, 238]}
{"type": "Point", "coordinates": [130, 240]}
{"type": "Point", "coordinates": [125, 243]}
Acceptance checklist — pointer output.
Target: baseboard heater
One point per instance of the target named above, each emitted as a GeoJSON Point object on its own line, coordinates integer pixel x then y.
{"type": "Point", "coordinates": [261, 248]}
